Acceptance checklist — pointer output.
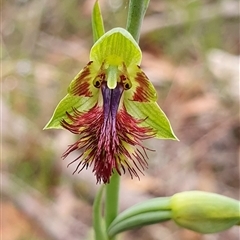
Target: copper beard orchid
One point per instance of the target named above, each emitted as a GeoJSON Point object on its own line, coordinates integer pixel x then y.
{"type": "Point", "coordinates": [111, 105]}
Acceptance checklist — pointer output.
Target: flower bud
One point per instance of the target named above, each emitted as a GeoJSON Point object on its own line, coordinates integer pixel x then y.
{"type": "Point", "coordinates": [204, 212]}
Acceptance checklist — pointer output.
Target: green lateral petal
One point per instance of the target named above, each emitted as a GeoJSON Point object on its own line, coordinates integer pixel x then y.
{"type": "Point", "coordinates": [66, 105]}
{"type": "Point", "coordinates": [142, 89]}
{"type": "Point", "coordinates": [115, 47]}
{"type": "Point", "coordinates": [82, 84]}
{"type": "Point", "coordinates": [154, 118]}
{"type": "Point", "coordinates": [97, 22]}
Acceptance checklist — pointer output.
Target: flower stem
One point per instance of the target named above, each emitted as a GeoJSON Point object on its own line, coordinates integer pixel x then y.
{"type": "Point", "coordinates": [137, 10]}
{"type": "Point", "coordinates": [98, 223]}
{"type": "Point", "coordinates": [111, 200]}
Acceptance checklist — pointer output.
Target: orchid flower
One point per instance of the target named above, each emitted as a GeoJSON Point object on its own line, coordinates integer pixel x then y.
{"type": "Point", "coordinates": [111, 107]}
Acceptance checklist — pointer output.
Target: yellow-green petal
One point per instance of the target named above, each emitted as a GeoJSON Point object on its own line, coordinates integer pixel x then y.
{"type": "Point", "coordinates": [82, 84]}
{"type": "Point", "coordinates": [142, 90]}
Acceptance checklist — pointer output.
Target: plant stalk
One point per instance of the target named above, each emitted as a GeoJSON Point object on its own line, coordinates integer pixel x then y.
{"type": "Point", "coordinates": [136, 12]}
{"type": "Point", "coordinates": [112, 200]}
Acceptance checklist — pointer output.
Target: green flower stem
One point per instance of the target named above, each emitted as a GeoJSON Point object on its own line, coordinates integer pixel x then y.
{"type": "Point", "coordinates": [98, 221]}
{"type": "Point", "coordinates": [137, 10]}
{"type": "Point", "coordinates": [111, 200]}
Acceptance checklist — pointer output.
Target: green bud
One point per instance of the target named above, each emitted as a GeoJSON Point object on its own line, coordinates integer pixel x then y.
{"type": "Point", "coordinates": [204, 212]}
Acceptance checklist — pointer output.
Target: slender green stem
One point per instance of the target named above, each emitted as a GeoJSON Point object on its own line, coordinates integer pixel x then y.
{"type": "Point", "coordinates": [98, 223]}
{"type": "Point", "coordinates": [137, 10]}
{"type": "Point", "coordinates": [111, 200]}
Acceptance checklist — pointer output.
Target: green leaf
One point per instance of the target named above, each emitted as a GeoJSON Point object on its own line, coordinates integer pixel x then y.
{"type": "Point", "coordinates": [154, 118]}
{"type": "Point", "coordinates": [140, 220]}
{"type": "Point", "coordinates": [66, 105]}
{"type": "Point", "coordinates": [149, 212]}
{"type": "Point", "coordinates": [97, 22]}
{"type": "Point", "coordinates": [115, 47]}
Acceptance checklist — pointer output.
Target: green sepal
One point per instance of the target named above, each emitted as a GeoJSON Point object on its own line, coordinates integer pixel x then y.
{"type": "Point", "coordinates": [153, 117]}
{"type": "Point", "coordinates": [152, 211]}
{"type": "Point", "coordinates": [97, 22]}
{"type": "Point", "coordinates": [67, 104]}
{"type": "Point", "coordinates": [115, 47]}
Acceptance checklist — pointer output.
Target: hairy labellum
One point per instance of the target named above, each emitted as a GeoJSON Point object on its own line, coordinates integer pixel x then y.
{"type": "Point", "coordinates": [110, 138]}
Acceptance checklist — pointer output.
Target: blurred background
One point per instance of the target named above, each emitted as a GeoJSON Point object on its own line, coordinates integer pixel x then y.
{"type": "Point", "coordinates": [190, 53]}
